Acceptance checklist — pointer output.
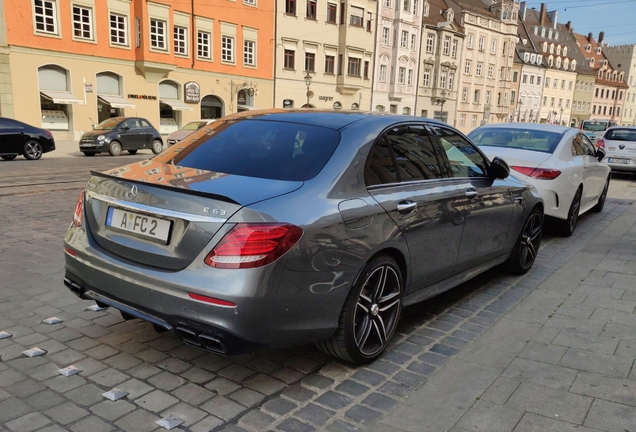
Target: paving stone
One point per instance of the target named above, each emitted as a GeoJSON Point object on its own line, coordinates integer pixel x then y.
{"type": "Point", "coordinates": [541, 374]}
{"type": "Point", "coordinates": [298, 393]}
{"type": "Point", "coordinates": [222, 386]}
{"type": "Point", "coordinates": [63, 384]}
{"type": "Point", "coordinates": [66, 413]}
{"type": "Point", "coordinates": [279, 406]}
{"type": "Point", "coordinates": [599, 363]}
{"type": "Point", "coordinates": [363, 415]}
{"type": "Point", "coordinates": [334, 400]}
{"type": "Point", "coordinates": [236, 372]}
{"type": "Point", "coordinates": [256, 420]}
{"type": "Point", "coordinates": [247, 397]}
{"type": "Point", "coordinates": [263, 366]}
{"type": "Point", "coordinates": [198, 375]}
{"type": "Point", "coordinates": [268, 385]}
{"type": "Point", "coordinates": [29, 422]}
{"type": "Point", "coordinates": [44, 372]}
{"type": "Point", "coordinates": [135, 388]}
{"type": "Point", "coordinates": [410, 379]}
{"type": "Point", "coordinates": [101, 352]}
{"type": "Point", "coordinates": [293, 425]}
{"type": "Point", "coordinates": [395, 389]}
{"type": "Point", "coordinates": [598, 386]}
{"type": "Point", "coordinates": [26, 388]}
{"type": "Point", "coordinates": [185, 412]}
{"type": "Point", "coordinates": [421, 368]}
{"type": "Point", "coordinates": [368, 377]}
{"type": "Point", "coordinates": [626, 348]}
{"type": "Point", "coordinates": [212, 362]}
{"type": "Point", "coordinates": [397, 357]}
{"type": "Point", "coordinates": [314, 414]}
{"type": "Point", "coordinates": [44, 400]}
{"type": "Point", "coordinates": [434, 359]}
{"type": "Point", "coordinates": [379, 402]}
{"type": "Point", "coordinates": [110, 410]}
{"type": "Point", "coordinates": [610, 416]}
{"type": "Point", "coordinates": [166, 381]}
{"type": "Point", "coordinates": [173, 365]}
{"type": "Point", "coordinates": [500, 390]}
{"type": "Point", "coordinates": [152, 356]}
{"type": "Point", "coordinates": [288, 375]}
{"type": "Point", "coordinates": [193, 394]}
{"type": "Point", "coordinates": [224, 408]}
{"type": "Point", "coordinates": [108, 377]}
{"type": "Point", "coordinates": [9, 377]}
{"type": "Point", "coordinates": [85, 395]}
{"type": "Point", "coordinates": [352, 388]}
{"type": "Point", "coordinates": [93, 424]}
{"type": "Point", "coordinates": [585, 340]}
{"type": "Point", "coordinates": [122, 361]}
{"type": "Point", "coordinates": [156, 401]}
{"type": "Point", "coordinates": [11, 409]}
{"type": "Point", "coordinates": [138, 421]}
{"type": "Point", "coordinates": [317, 381]}
{"type": "Point", "coordinates": [144, 371]}
{"type": "Point", "coordinates": [207, 424]}
{"type": "Point", "coordinates": [488, 417]}
{"type": "Point", "coordinates": [543, 352]}
{"type": "Point", "coordinates": [550, 403]}
{"type": "Point", "coordinates": [535, 423]}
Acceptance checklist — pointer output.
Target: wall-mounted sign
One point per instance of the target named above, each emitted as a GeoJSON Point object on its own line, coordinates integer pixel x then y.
{"type": "Point", "coordinates": [192, 92]}
{"type": "Point", "coordinates": [355, 106]}
{"type": "Point", "coordinates": [241, 98]}
{"type": "Point", "coordinates": [325, 98]}
{"type": "Point", "coordinates": [288, 103]}
{"type": "Point", "coordinates": [88, 87]}
{"type": "Point", "coordinates": [146, 97]}
{"type": "Point", "coordinates": [337, 105]}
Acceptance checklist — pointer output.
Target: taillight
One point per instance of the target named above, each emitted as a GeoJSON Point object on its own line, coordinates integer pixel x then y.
{"type": "Point", "coordinates": [253, 245]}
{"type": "Point", "coordinates": [538, 173]}
{"type": "Point", "coordinates": [600, 143]}
{"type": "Point", "coordinates": [79, 210]}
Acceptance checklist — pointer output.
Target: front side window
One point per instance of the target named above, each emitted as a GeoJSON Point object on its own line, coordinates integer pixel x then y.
{"type": "Point", "coordinates": [227, 49]}
{"type": "Point", "coordinates": [157, 34]}
{"type": "Point", "coordinates": [180, 40]}
{"type": "Point", "coordinates": [45, 13]}
{"type": "Point", "coordinates": [118, 29]}
{"type": "Point", "coordinates": [464, 160]}
{"type": "Point", "coordinates": [82, 22]}
{"type": "Point", "coordinates": [203, 45]}
{"type": "Point", "coordinates": [249, 53]}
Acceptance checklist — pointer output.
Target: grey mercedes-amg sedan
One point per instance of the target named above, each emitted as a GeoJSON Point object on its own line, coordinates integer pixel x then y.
{"type": "Point", "coordinates": [276, 228]}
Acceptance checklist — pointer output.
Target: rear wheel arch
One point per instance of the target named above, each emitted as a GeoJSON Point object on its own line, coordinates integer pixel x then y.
{"type": "Point", "coordinates": [393, 253]}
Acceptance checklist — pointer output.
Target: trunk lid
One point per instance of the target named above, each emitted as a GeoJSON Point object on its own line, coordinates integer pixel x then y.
{"type": "Point", "coordinates": [163, 216]}
{"type": "Point", "coordinates": [516, 157]}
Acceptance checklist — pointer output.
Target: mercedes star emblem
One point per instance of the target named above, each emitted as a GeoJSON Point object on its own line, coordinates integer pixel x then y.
{"type": "Point", "coordinates": [131, 193]}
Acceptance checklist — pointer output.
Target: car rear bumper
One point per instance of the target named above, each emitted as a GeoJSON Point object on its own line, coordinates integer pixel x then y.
{"type": "Point", "coordinates": [631, 166]}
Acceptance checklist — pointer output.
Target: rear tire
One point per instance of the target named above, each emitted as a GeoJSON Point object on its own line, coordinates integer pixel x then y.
{"type": "Point", "coordinates": [114, 148]}
{"type": "Point", "coordinates": [601, 200]}
{"type": "Point", "coordinates": [370, 314]}
{"type": "Point", "coordinates": [8, 157]}
{"type": "Point", "coordinates": [568, 225]}
{"type": "Point", "coordinates": [157, 146]}
{"type": "Point", "coordinates": [525, 251]}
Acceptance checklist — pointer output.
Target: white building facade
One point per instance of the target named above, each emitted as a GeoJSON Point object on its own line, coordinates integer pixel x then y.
{"type": "Point", "coordinates": [623, 58]}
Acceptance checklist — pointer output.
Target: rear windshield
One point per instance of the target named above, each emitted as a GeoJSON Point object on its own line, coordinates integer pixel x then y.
{"type": "Point", "coordinates": [263, 149]}
{"type": "Point", "coordinates": [536, 140]}
{"type": "Point", "coordinates": [594, 126]}
{"type": "Point", "coordinates": [621, 134]}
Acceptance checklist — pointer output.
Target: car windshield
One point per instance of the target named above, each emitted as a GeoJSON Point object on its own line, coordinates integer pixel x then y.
{"type": "Point", "coordinates": [621, 134]}
{"type": "Point", "coordinates": [524, 139]}
{"type": "Point", "coordinates": [594, 126]}
{"type": "Point", "coordinates": [264, 149]}
{"type": "Point", "coordinates": [109, 124]}
{"type": "Point", "coordinates": [195, 125]}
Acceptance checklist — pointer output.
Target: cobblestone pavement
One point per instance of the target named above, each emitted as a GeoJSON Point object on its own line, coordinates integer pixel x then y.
{"type": "Point", "coordinates": [543, 352]}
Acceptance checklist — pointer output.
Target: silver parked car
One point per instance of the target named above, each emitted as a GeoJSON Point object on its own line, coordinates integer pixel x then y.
{"type": "Point", "coordinates": [277, 228]}
{"type": "Point", "coordinates": [186, 130]}
{"type": "Point", "coordinates": [620, 144]}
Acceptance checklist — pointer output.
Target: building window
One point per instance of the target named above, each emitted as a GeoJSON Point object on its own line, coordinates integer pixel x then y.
{"type": "Point", "coordinates": [474, 121]}
{"type": "Point", "coordinates": [426, 81]}
{"type": "Point", "coordinates": [118, 29]}
{"type": "Point", "coordinates": [552, 102]}
{"type": "Point", "coordinates": [401, 74]}
{"type": "Point", "coordinates": [512, 97]}
{"type": "Point", "coordinates": [545, 101]}
{"type": "Point", "coordinates": [442, 80]}
{"type": "Point", "coordinates": [250, 2]}
{"type": "Point", "coordinates": [329, 64]}
{"type": "Point", "coordinates": [310, 62]}
{"type": "Point", "coordinates": [467, 67]}
{"type": "Point", "coordinates": [491, 71]}
{"type": "Point", "coordinates": [406, 5]}
{"type": "Point", "coordinates": [476, 96]}
{"type": "Point", "coordinates": [45, 16]}
{"type": "Point", "coordinates": [385, 36]}
{"type": "Point", "coordinates": [353, 66]}
{"type": "Point", "coordinates": [331, 13]}
{"type": "Point", "coordinates": [356, 16]}
{"type": "Point", "coordinates": [383, 73]}
{"type": "Point", "coordinates": [430, 43]}
{"type": "Point", "coordinates": [340, 63]}
{"type": "Point", "coordinates": [290, 7]}
{"type": "Point", "coordinates": [82, 22]}
{"type": "Point", "coordinates": [387, 3]}
{"type": "Point", "coordinates": [413, 41]}
{"type": "Point", "coordinates": [469, 42]}
{"type": "Point", "coordinates": [249, 53]}
{"type": "Point", "coordinates": [227, 49]}
{"type": "Point", "coordinates": [547, 82]}
{"type": "Point", "coordinates": [482, 43]}
{"type": "Point", "coordinates": [451, 79]}
{"type": "Point", "coordinates": [409, 77]}
{"type": "Point", "coordinates": [405, 39]}
{"type": "Point", "coordinates": [488, 95]}
{"type": "Point", "coordinates": [446, 48]}
{"type": "Point", "coordinates": [180, 40]}
{"type": "Point", "coordinates": [493, 46]}
{"type": "Point", "coordinates": [515, 76]}
{"type": "Point", "coordinates": [406, 111]}
{"type": "Point", "coordinates": [203, 44]}
{"type": "Point", "coordinates": [462, 119]}
{"type": "Point", "coordinates": [538, 80]}
{"type": "Point", "coordinates": [311, 9]}
{"type": "Point", "coordinates": [478, 69]}
{"type": "Point", "coordinates": [157, 34]}
{"type": "Point", "coordinates": [555, 83]}
{"type": "Point", "coordinates": [524, 79]}
{"type": "Point", "coordinates": [465, 94]}
{"type": "Point", "coordinates": [454, 48]}
{"type": "Point", "coordinates": [393, 109]}
{"type": "Point", "coordinates": [289, 59]}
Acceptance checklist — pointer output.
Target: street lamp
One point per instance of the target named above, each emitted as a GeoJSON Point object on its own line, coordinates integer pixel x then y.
{"type": "Point", "coordinates": [308, 83]}
{"type": "Point", "coordinates": [440, 101]}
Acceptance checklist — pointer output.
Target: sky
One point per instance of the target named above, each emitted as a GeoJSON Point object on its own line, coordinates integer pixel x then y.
{"type": "Point", "coordinates": [614, 17]}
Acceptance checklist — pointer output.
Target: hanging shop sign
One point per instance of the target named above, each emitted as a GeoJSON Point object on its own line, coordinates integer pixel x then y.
{"type": "Point", "coordinates": [88, 87]}
{"type": "Point", "coordinates": [192, 92]}
{"type": "Point", "coordinates": [288, 103]}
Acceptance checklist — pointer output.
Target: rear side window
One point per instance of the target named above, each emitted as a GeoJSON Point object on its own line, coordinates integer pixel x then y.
{"type": "Point", "coordinates": [621, 134]}
{"type": "Point", "coordinates": [414, 153]}
{"type": "Point", "coordinates": [263, 149]}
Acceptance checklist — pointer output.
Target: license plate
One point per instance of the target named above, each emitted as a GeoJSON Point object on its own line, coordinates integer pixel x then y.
{"type": "Point", "coordinates": [618, 161]}
{"type": "Point", "coordinates": [142, 225]}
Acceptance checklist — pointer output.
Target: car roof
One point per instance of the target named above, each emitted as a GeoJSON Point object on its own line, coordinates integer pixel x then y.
{"type": "Point", "coordinates": [330, 119]}
{"type": "Point", "coordinates": [528, 126]}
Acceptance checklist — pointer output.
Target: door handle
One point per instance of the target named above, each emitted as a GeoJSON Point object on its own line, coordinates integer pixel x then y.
{"type": "Point", "coordinates": [471, 193]}
{"type": "Point", "coordinates": [406, 207]}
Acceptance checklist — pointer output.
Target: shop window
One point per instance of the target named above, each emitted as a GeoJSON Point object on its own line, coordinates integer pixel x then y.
{"type": "Point", "coordinates": [82, 22]}
{"type": "Point", "coordinates": [118, 29]}
{"type": "Point", "coordinates": [212, 107]}
{"type": "Point", "coordinates": [55, 98]}
{"type": "Point", "coordinates": [45, 13]}
{"type": "Point", "coordinates": [169, 107]}
{"type": "Point", "coordinates": [158, 34]}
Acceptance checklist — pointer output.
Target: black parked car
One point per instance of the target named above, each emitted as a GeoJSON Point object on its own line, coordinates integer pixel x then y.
{"type": "Point", "coordinates": [17, 138]}
{"type": "Point", "coordinates": [121, 133]}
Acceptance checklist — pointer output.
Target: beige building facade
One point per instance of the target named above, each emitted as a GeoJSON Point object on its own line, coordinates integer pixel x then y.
{"type": "Point", "coordinates": [324, 54]}
{"type": "Point", "coordinates": [623, 58]}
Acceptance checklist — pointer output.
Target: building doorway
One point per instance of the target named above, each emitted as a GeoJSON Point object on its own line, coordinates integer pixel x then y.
{"type": "Point", "coordinates": [212, 107]}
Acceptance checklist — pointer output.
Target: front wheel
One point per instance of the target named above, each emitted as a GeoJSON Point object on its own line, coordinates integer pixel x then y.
{"type": "Point", "coordinates": [157, 146]}
{"type": "Point", "coordinates": [370, 315]}
{"type": "Point", "coordinates": [601, 200]}
{"type": "Point", "coordinates": [8, 157]}
{"type": "Point", "coordinates": [527, 246]}
{"type": "Point", "coordinates": [32, 150]}
{"type": "Point", "coordinates": [114, 148]}
{"type": "Point", "coordinates": [568, 225]}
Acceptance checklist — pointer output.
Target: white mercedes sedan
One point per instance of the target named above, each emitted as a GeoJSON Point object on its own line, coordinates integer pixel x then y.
{"type": "Point", "coordinates": [559, 161]}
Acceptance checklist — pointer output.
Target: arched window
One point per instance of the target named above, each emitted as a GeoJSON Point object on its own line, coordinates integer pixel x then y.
{"type": "Point", "coordinates": [56, 98]}
{"type": "Point", "coordinates": [406, 111]}
{"type": "Point", "coordinates": [565, 50]}
{"type": "Point", "coordinates": [566, 64]}
{"type": "Point", "coordinates": [558, 62]}
{"type": "Point", "coordinates": [425, 13]}
{"type": "Point", "coordinates": [558, 49]}
{"type": "Point", "coordinates": [110, 102]}
{"type": "Point", "coordinates": [212, 107]}
{"type": "Point", "coordinates": [379, 108]}
{"type": "Point", "coordinates": [170, 107]}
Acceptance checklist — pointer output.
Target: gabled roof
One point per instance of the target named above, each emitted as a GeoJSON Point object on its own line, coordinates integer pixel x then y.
{"type": "Point", "coordinates": [436, 17]}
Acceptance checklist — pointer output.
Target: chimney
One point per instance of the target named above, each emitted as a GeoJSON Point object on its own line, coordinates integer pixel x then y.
{"type": "Point", "coordinates": [543, 14]}
{"type": "Point", "coordinates": [522, 10]}
{"type": "Point", "coordinates": [554, 15]}
{"type": "Point", "coordinates": [569, 27]}
{"type": "Point", "coordinates": [590, 36]}
{"type": "Point", "coordinates": [601, 36]}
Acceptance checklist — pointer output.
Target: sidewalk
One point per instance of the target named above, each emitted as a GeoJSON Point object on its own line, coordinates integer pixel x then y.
{"type": "Point", "coordinates": [69, 149]}
{"type": "Point", "coordinates": [562, 359]}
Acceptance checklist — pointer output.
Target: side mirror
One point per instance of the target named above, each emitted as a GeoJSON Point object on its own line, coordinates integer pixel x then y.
{"type": "Point", "coordinates": [94, 125]}
{"type": "Point", "coordinates": [498, 169]}
{"type": "Point", "coordinates": [125, 128]}
{"type": "Point", "coordinates": [600, 153]}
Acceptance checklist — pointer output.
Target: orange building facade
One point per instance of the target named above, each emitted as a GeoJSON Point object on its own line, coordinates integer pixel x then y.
{"type": "Point", "coordinates": [68, 64]}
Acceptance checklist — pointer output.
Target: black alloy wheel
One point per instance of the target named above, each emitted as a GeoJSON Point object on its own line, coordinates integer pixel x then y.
{"type": "Point", "coordinates": [157, 146]}
{"type": "Point", "coordinates": [527, 247]}
{"type": "Point", "coordinates": [32, 150]}
{"type": "Point", "coordinates": [601, 200]}
{"type": "Point", "coordinates": [8, 157]}
{"type": "Point", "coordinates": [568, 225]}
{"type": "Point", "coordinates": [114, 148]}
{"type": "Point", "coordinates": [370, 314]}
{"type": "Point", "coordinates": [132, 152]}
